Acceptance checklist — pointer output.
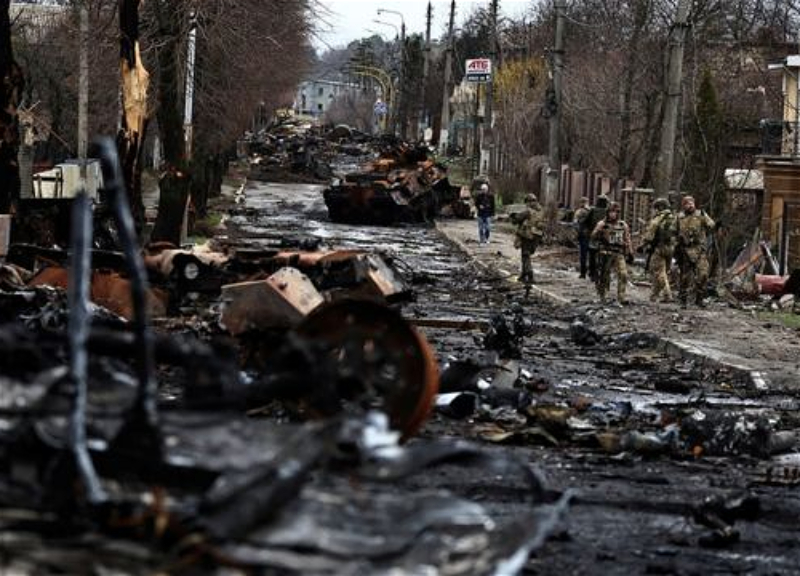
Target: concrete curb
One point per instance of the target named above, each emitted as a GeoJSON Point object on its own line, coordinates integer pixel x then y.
{"type": "Point", "coordinates": [757, 381]}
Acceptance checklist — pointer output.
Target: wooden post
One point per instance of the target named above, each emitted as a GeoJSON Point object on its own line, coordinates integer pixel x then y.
{"type": "Point", "coordinates": [444, 125]}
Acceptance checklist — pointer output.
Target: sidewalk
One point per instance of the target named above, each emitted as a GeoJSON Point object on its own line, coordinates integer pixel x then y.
{"type": "Point", "coordinates": [768, 355]}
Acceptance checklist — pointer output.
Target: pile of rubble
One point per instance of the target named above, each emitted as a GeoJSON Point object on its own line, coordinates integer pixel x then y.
{"type": "Point", "coordinates": [402, 185]}
{"type": "Point", "coordinates": [127, 451]}
{"type": "Point", "coordinates": [755, 274]}
{"type": "Point", "coordinates": [507, 403]}
{"type": "Point", "coordinates": [255, 289]}
{"type": "Point", "coordinates": [372, 180]}
{"type": "Point", "coordinates": [300, 151]}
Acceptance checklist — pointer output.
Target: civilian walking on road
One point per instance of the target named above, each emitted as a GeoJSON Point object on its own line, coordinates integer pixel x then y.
{"type": "Point", "coordinates": [579, 220]}
{"type": "Point", "coordinates": [484, 204]}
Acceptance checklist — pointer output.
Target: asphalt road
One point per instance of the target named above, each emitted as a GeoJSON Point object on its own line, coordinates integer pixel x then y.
{"type": "Point", "coordinates": [638, 510]}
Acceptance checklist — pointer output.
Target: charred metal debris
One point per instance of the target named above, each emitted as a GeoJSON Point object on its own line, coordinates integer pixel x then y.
{"type": "Point", "coordinates": [266, 418]}
{"type": "Point", "coordinates": [372, 180]}
{"type": "Point", "coordinates": [126, 450]}
{"type": "Point", "coordinates": [515, 393]}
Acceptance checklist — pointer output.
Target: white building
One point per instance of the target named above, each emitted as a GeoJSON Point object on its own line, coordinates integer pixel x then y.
{"type": "Point", "coordinates": [315, 97]}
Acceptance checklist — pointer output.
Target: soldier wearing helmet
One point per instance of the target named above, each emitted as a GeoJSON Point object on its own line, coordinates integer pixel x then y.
{"type": "Point", "coordinates": [692, 229]}
{"type": "Point", "coordinates": [530, 224]}
{"type": "Point", "coordinates": [613, 239]}
{"type": "Point", "coordinates": [659, 242]}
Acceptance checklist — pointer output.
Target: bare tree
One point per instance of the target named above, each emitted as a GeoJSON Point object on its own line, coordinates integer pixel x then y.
{"type": "Point", "coordinates": [133, 122]}
{"type": "Point", "coordinates": [10, 94]}
{"type": "Point", "coordinates": [250, 55]}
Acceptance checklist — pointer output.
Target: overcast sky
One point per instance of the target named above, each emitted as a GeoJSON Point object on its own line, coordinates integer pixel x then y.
{"type": "Point", "coordinates": [349, 20]}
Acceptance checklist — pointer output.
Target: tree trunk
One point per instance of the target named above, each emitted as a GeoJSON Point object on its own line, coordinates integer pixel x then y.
{"type": "Point", "coordinates": [201, 183]}
{"type": "Point", "coordinates": [208, 171]}
{"type": "Point", "coordinates": [10, 92]}
{"type": "Point", "coordinates": [135, 82]}
{"type": "Point", "coordinates": [174, 185]}
{"type": "Point", "coordinates": [653, 119]}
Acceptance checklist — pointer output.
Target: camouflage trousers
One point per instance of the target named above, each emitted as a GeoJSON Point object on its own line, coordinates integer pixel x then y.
{"type": "Point", "coordinates": [611, 262]}
{"type": "Point", "coordinates": [660, 263]}
{"type": "Point", "coordinates": [694, 276]}
{"type": "Point", "coordinates": [527, 247]}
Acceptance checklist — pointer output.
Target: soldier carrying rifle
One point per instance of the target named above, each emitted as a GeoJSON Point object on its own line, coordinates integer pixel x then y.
{"type": "Point", "coordinates": [659, 242]}
{"type": "Point", "coordinates": [530, 224]}
{"type": "Point", "coordinates": [614, 250]}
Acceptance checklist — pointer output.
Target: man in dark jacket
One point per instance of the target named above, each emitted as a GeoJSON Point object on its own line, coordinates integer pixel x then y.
{"type": "Point", "coordinates": [596, 214]}
{"type": "Point", "coordinates": [579, 219]}
{"type": "Point", "coordinates": [484, 204]}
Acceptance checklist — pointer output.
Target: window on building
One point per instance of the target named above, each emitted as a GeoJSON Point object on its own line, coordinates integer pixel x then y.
{"type": "Point", "coordinates": [320, 107]}
{"type": "Point", "coordinates": [322, 91]}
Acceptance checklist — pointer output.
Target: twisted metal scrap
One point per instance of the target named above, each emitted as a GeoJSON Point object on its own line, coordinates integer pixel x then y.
{"type": "Point", "coordinates": [145, 410]}
{"type": "Point", "coordinates": [79, 318]}
{"type": "Point", "coordinates": [145, 365]}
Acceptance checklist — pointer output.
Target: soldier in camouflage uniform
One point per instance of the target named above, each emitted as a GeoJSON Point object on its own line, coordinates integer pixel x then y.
{"type": "Point", "coordinates": [613, 239]}
{"type": "Point", "coordinates": [692, 229]}
{"type": "Point", "coordinates": [529, 234]}
{"type": "Point", "coordinates": [659, 239]}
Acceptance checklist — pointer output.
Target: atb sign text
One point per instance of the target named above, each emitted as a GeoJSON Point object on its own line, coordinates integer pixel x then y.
{"type": "Point", "coordinates": [479, 70]}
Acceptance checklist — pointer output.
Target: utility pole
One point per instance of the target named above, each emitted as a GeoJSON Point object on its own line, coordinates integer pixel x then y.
{"type": "Point", "coordinates": [476, 134]}
{"type": "Point", "coordinates": [403, 82]}
{"type": "Point", "coordinates": [83, 91]}
{"type": "Point", "coordinates": [426, 70]}
{"type": "Point", "coordinates": [444, 127]}
{"type": "Point", "coordinates": [488, 118]}
{"type": "Point", "coordinates": [666, 152]}
{"type": "Point", "coordinates": [188, 111]}
{"type": "Point", "coordinates": [554, 100]}
{"type": "Point", "coordinates": [188, 103]}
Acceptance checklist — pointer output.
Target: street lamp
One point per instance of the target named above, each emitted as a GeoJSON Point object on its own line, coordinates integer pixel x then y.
{"type": "Point", "coordinates": [383, 23]}
{"type": "Point", "coordinates": [401, 104]}
{"type": "Point", "coordinates": [382, 11]}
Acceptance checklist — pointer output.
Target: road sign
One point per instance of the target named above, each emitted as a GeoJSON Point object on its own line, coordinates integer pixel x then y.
{"type": "Point", "coordinates": [479, 70]}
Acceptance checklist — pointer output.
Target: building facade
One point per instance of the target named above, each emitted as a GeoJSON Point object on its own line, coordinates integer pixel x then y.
{"type": "Point", "coordinates": [315, 97]}
{"type": "Point", "coordinates": [780, 222]}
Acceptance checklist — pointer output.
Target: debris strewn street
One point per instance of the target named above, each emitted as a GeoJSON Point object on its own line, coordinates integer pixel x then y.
{"type": "Point", "coordinates": [279, 297]}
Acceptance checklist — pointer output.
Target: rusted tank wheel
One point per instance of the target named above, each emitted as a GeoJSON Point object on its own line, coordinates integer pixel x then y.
{"type": "Point", "coordinates": [374, 346]}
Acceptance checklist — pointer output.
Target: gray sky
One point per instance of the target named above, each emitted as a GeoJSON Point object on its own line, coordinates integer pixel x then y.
{"type": "Point", "coordinates": [352, 19]}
